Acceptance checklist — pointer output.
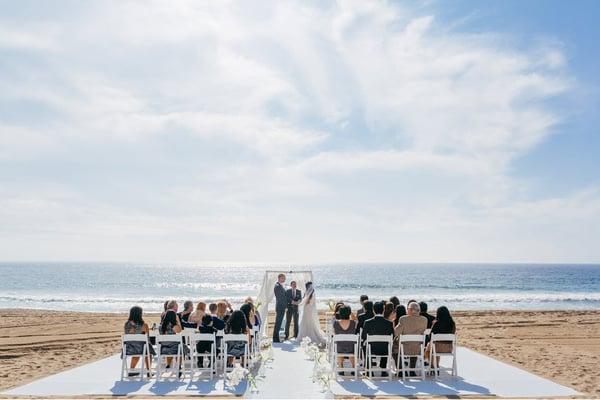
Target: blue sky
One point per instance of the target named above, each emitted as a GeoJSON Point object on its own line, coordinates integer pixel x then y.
{"type": "Point", "coordinates": [300, 132]}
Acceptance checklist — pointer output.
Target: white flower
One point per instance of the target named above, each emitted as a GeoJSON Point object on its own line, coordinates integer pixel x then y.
{"type": "Point", "coordinates": [305, 342]}
{"type": "Point", "coordinates": [236, 375]}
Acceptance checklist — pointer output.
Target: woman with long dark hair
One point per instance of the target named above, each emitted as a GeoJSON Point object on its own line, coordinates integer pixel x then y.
{"type": "Point", "coordinates": [400, 312]}
{"type": "Point", "coordinates": [443, 324]}
{"type": "Point", "coordinates": [170, 325]}
{"type": "Point", "coordinates": [237, 324]}
{"type": "Point", "coordinates": [135, 325]}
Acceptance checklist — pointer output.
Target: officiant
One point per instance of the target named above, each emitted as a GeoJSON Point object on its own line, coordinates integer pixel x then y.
{"type": "Point", "coordinates": [294, 297]}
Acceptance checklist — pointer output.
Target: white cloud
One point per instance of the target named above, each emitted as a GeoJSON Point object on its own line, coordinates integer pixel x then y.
{"type": "Point", "coordinates": [276, 131]}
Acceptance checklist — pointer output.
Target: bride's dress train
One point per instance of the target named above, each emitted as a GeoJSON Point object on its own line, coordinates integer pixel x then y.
{"type": "Point", "coordinates": [309, 325]}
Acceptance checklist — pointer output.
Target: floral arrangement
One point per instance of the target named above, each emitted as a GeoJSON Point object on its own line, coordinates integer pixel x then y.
{"type": "Point", "coordinates": [237, 375]}
{"type": "Point", "coordinates": [322, 369]}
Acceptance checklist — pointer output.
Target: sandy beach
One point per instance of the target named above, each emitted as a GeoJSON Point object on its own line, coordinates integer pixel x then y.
{"type": "Point", "coordinates": [560, 345]}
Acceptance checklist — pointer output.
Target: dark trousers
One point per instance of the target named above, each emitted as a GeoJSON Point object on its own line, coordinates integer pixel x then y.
{"type": "Point", "coordinates": [278, 321]}
{"type": "Point", "coordinates": [292, 312]}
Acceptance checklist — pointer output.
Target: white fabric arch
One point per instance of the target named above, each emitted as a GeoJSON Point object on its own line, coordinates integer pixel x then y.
{"type": "Point", "coordinates": [266, 293]}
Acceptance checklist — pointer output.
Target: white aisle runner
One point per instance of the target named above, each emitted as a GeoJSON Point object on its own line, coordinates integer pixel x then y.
{"type": "Point", "coordinates": [288, 376]}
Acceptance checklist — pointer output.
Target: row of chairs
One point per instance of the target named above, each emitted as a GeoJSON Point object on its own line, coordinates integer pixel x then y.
{"type": "Point", "coordinates": [183, 361]}
{"type": "Point", "coordinates": [365, 360]}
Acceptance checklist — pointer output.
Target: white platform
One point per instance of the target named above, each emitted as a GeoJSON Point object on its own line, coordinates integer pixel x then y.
{"type": "Point", "coordinates": [289, 376]}
{"type": "Point", "coordinates": [478, 375]}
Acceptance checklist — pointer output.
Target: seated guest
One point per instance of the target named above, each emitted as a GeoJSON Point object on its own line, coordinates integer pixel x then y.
{"type": "Point", "coordinates": [378, 326]}
{"type": "Point", "coordinates": [400, 312]}
{"type": "Point", "coordinates": [336, 310]}
{"type": "Point", "coordinates": [411, 324]}
{"type": "Point", "coordinates": [395, 301]}
{"type": "Point", "coordinates": [170, 326]}
{"type": "Point", "coordinates": [368, 314]}
{"type": "Point", "coordinates": [389, 312]}
{"type": "Point", "coordinates": [219, 317]}
{"type": "Point", "coordinates": [345, 326]}
{"type": "Point", "coordinates": [236, 325]}
{"type": "Point", "coordinates": [135, 325]}
{"type": "Point", "coordinates": [212, 308]}
{"type": "Point", "coordinates": [205, 347]}
{"type": "Point", "coordinates": [198, 314]}
{"type": "Point", "coordinates": [256, 313]}
{"type": "Point", "coordinates": [188, 308]}
{"type": "Point", "coordinates": [165, 308]}
{"type": "Point", "coordinates": [424, 313]}
{"type": "Point", "coordinates": [248, 310]}
{"type": "Point", "coordinates": [443, 324]}
{"type": "Point", "coordinates": [361, 310]}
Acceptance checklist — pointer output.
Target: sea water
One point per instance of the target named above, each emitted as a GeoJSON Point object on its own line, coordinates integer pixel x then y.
{"type": "Point", "coordinates": [115, 287]}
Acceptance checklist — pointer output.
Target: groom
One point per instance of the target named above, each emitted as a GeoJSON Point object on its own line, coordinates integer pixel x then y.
{"type": "Point", "coordinates": [281, 302]}
{"type": "Point", "coordinates": [293, 299]}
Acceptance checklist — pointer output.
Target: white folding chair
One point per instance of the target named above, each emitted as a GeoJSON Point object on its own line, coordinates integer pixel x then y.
{"type": "Point", "coordinates": [434, 354]}
{"type": "Point", "coordinates": [144, 355]}
{"type": "Point", "coordinates": [228, 338]}
{"type": "Point", "coordinates": [403, 365]}
{"type": "Point", "coordinates": [345, 338]}
{"type": "Point", "coordinates": [161, 341]}
{"type": "Point", "coordinates": [211, 355]}
{"type": "Point", "coordinates": [255, 341]}
{"type": "Point", "coordinates": [370, 369]}
{"type": "Point", "coordinates": [328, 336]}
{"type": "Point", "coordinates": [219, 336]}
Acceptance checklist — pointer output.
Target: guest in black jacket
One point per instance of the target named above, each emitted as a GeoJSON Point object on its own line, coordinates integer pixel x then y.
{"type": "Point", "coordinates": [205, 347]}
{"type": "Point", "coordinates": [378, 325]}
{"type": "Point", "coordinates": [363, 298]}
{"type": "Point", "coordinates": [367, 314]}
{"type": "Point", "coordinates": [425, 314]}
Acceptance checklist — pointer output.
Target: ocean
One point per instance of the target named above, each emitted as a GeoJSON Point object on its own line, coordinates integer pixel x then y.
{"type": "Point", "coordinates": [115, 287]}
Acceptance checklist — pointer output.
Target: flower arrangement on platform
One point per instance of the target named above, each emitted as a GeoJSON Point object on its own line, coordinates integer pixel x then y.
{"type": "Point", "coordinates": [322, 369]}
{"type": "Point", "coordinates": [236, 375]}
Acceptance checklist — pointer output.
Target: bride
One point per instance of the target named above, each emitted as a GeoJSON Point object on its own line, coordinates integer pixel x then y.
{"type": "Point", "coordinates": [309, 326]}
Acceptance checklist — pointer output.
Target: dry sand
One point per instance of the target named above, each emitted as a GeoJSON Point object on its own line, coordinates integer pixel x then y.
{"type": "Point", "coordinates": [560, 345]}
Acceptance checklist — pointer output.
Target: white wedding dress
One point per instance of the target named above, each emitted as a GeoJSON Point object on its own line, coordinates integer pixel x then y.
{"type": "Point", "coordinates": [309, 325]}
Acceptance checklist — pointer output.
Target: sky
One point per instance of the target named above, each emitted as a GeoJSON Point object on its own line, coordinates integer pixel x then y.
{"type": "Point", "coordinates": [300, 131]}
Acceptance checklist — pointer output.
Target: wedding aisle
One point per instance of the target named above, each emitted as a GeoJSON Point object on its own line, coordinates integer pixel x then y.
{"type": "Point", "coordinates": [288, 375]}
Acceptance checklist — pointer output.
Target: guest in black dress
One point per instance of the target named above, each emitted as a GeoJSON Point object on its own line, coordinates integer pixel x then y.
{"type": "Point", "coordinates": [444, 323]}
{"type": "Point", "coordinates": [135, 325]}
{"type": "Point", "coordinates": [236, 325]}
{"type": "Point", "coordinates": [188, 308]}
{"type": "Point", "coordinates": [345, 326]}
{"type": "Point", "coordinates": [171, 326]}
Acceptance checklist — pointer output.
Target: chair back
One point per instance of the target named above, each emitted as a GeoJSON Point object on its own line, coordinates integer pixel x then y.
{"type": "Point", "coordinates": [203, 337]}
{"type": "Point", "coordinates": [444, 337]}
{"type": "Point", "coordinates": [176, 337]}
{"type": "Point", "coordinates": [412, 339]}
{"type": "Point", "coordinates": [137, 337]}
{"type": "Point", "coordinates": [242, 337]}
{"type": "Point", "coordinates": [379, 339]}
{"type": "Point", "coordinates": [346, 337]}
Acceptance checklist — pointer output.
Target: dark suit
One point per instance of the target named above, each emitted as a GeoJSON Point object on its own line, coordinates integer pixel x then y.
{"type": "Point", "coordinates": [361, 320]}
{"type": "Point", "coordinates": [292, 311]}
{"type": "Point", "coordinates": [430, 319]}
{"type": "Point", "coordinates": [280, 308]}
{"type": "Point", "coordinates": [378, 326]}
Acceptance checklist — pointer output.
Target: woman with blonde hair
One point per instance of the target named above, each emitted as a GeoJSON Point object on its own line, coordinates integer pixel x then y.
{"type": "Point", "coordinates": [196, 316]}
